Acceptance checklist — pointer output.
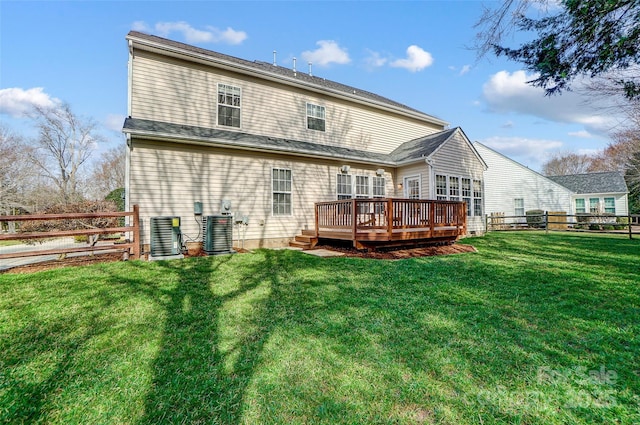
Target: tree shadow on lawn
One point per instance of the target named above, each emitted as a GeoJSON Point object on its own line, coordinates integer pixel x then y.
{"type": "Point", "coordinates": [203, 367]}
{"type": "Point", "coordinates": [468, 331]}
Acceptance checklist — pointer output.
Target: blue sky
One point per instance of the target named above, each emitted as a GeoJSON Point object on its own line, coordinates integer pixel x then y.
{"type": "Point", "coordinates": [414, 52]}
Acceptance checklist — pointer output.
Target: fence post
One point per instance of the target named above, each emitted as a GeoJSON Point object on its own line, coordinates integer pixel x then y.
{"type": "Point", "coordinates": [136, 232]}
{"type": "Point", "coordinates": [629, 224]}
{"type": "Point", "coordinates": [546, 222]}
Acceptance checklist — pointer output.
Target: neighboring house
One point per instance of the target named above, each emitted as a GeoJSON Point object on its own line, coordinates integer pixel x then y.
{"type": "Point", "coordinates": [513, 189]}
{"type": "Point", "coordinates": [207, 127]}
{"type": "Point", "coordinates": [597, 193]}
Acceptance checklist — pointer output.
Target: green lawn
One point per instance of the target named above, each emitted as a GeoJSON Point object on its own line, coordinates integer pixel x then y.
{"type": "Point", "coordinates": [532, 329]}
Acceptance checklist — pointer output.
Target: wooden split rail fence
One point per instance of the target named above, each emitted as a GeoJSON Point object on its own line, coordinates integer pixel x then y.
{"type": "Point", "coordinates": [130, 247]}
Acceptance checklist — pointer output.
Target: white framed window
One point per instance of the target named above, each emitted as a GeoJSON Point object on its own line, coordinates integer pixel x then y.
{"type": "Point", "coordinates": [441, 187]}
{"type": "Point", "coordinates": [610, 205]}
{"type": "Point", "coordinates": [580, 206]}
{"type": "Point", "coordinates": [466, 194]}
{"type": "Point", "coordinates": [362, 186]}
{"type": "Point", "coordinates": [229, 101]}
{"type": "Point", "coordinates": [518, 206]}
{"type": "Point", "coordinates": [454, 188]}
{"type": "Point", "coordinates": [379, 187]}
{"type": "Point", "coordinates": [477, 198]}
{"type": "Point", "coordinates": [412, 187]}
{"type": "Point", "coordinates": [281, 191]}
{"type": "Point", "coordinates": [344, 189]}
{"type": "Point", "coordinates": [315, 117]}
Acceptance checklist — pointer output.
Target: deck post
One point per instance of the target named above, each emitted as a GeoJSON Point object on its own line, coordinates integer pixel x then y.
{"type": "Point", "coordinates": [629, 225]}
{"type": "Point", "coordinates": [354, 221]}
{"type": "Point", "coordinates": [432, 218]}
{"type": "Point", "coordinates": [389, 218]}
{"type": "Point", "coordinates": [316, 223]}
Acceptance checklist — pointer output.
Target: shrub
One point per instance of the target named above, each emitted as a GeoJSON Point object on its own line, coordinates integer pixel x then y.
{"type": "Point", "coordinates": [594, 226]}
{"type": "Point", "coordinates": [582, 217]}
{"type": "Point", "coordinates": [535, 218]}
{"type": "Point", "coordinates": [608, 227]}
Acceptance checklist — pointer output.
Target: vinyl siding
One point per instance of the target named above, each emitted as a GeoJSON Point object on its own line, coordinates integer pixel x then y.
{"type": "Point", "coordinates": [172, 90]}
{"type": "Point", "coordinates": [181, 174]}
{"type": "Point", "coordinates": [456, 158]}
{"type": "Point", "coordinates": [506, 180]}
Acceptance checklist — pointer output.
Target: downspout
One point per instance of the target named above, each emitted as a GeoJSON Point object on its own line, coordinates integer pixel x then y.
{"type": "Point", "coordinates": [127, 174]}
{"type": "Point", "coordinates": [429, 162]}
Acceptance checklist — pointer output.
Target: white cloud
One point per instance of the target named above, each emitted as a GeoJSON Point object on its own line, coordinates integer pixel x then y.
{"type": "Point", "coordinates": [582, 134]}
{"type": "Point", "coordinates": [328, 52]}
{"type": "Point", "coordinates": [509, 93]}
{"type": "Point", "coordinates": [16, 101]}
{"type": "Point", "coordinates": [191, 34]}
{"type": "Point", "coordinates": [529, 152]}
{"type": "Point", "coordinates": [465, 69]}
{"type": "Point", "coordinates": [374, 60]}
{"type": "Point", "coordinates": [114, 122]}
{"type": "Point", "coordinates": [417, 59]}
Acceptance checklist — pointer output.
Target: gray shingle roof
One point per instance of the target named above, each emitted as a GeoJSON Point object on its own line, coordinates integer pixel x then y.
{"type": "Point", "coordinates": [606, 182]}
{"type": "Point", "coordinates": [284, 73]}
{"type": "Point", "coordinates": [414, 149]}
{"type": "Point", "coordinates": [421, 147]}
{"type": "Point", "coordinates": [235, 139]}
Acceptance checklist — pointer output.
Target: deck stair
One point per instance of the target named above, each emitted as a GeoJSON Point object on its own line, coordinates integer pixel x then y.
{"type": "Point", "coordinates": [306, 240]}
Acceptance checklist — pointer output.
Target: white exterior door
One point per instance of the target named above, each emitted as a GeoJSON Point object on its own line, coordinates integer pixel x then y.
{"type": "Point", "coordinates": [412, 187]}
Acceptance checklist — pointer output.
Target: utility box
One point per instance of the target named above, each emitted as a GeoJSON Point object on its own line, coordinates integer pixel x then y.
{"type": "Point", "coordinates": [218, 234]}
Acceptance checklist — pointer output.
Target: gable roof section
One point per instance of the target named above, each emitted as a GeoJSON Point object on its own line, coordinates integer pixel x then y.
{"type": "Point", "coordinates": [273, 72]}
{"type": "Point", "coordinates": [606, 182]}
{"type": "Point", "coordinates": [233, 139]}
{"type": "Point", "coordinates": [423, 147]}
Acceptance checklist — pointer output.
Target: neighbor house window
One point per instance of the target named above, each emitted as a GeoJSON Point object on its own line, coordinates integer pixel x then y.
{"type": "Point", "coordinates": [519, 206]}
{"type": "Point", "coordinates": [594, 205]}
{"type": "Point", "coordinates": [466, 194]}
{"type": "Point", "coordinates": [454, 188]}
{"type": "Point", "coordinates": [477, 198]}
{"type": "Point", "coordinates": [281, 183]}
{"type": "Point", "coordinates": [228, 105]}
{"type": "Point", "coordinates": [580, 206]}
{"type": "Point", "coordinates": [441, 187]}
{"type": "Point", "coordinates": [610, 205]}
{"type": "Point", "coordinates": [344, 188]}
{"type": "Point", "coordinates": [315, 117]}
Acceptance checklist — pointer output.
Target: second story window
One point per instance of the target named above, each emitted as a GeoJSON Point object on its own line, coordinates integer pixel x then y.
{"type": "Point", "coordinates": [315, 117]}
{"type": "Point", "coordinates": [228, 105]}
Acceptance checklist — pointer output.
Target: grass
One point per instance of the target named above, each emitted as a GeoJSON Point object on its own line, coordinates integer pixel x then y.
{"type": "Point", "coordinates": [533, 329]}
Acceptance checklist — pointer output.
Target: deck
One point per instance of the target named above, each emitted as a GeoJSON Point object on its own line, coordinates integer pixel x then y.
{"type": "Point", "coordinates": [371, 223]}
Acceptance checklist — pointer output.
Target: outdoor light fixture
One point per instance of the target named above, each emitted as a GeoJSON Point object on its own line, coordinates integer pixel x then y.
{"type": "Point", "coordinates": [380, 171]}
{"type": "Point", "coordinates": [345, 169]}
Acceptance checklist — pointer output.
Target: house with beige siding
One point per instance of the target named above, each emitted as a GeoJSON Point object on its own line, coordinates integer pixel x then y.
{"type": "Point", "coordinates": [204, 127]}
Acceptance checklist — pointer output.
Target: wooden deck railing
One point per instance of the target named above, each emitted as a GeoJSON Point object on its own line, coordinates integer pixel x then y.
{"type": "Point", "coordinates": [389, 219]}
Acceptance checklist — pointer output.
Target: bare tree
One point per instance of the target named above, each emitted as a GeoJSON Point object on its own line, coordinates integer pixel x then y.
{"type": "Point", "coordinates": [63, 147]}
{"type": "Point", "coordinates": [108, 172]}
{"type": "Point", "coordinates": [15, 171]}
{"type": "Point", "coordinates": [562, 164]}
